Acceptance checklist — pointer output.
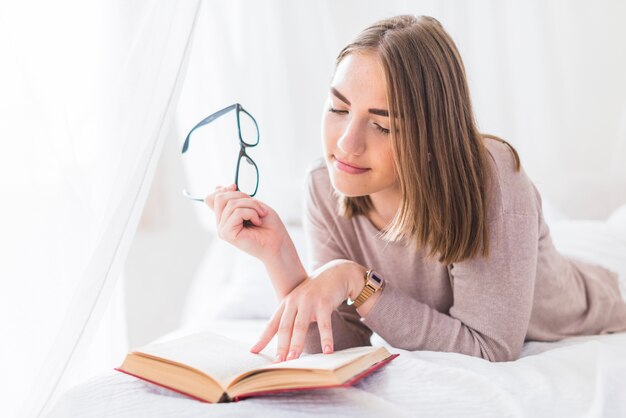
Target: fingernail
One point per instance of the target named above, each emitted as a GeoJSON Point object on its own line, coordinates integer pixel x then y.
{"type": "Point", "coordinates": [277, 359]}
{"type": "Point", "coordinates": [292, 355]}
{"type": "Point", "coordinates": [327, 349]}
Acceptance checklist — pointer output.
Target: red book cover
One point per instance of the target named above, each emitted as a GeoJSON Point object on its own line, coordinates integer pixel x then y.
{"type": "Point", "coordinates": [348, 383]}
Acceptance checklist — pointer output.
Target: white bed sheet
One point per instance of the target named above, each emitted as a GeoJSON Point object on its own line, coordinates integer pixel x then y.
{"type": "Point", "coordinates": [575, 377]}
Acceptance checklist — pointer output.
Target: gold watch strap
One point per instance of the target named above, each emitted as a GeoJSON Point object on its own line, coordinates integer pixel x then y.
{"type": "Point", "coordinates": [367, 291]}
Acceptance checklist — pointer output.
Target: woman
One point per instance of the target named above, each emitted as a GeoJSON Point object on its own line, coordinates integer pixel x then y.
{"type": "Point", "coordinates": [445, 216]}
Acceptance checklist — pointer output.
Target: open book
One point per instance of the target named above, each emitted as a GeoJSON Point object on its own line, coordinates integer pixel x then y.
{"type": "Point", "coordinates": [214, 368]}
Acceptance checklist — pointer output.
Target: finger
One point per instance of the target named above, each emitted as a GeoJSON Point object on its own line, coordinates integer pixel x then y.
{"type": "Point", "coordinates": [210, 199]}
{"type": "Point", "coordinates": [270, 330]}
{"type": "Point", "coordinates": [222, 198]}
{"type": "Point", "coordinates": [260, 206]}
{"type": "Point", "coordinates": [300, 329]}
{"type": "Point", "coordinates": [326, 332]}
{"type": "Point", "coordinates": [243, 203]}
{"type": "Point", "coordinates": [284, 331]}
{"type": "Point", "coordinates": [230, 227]}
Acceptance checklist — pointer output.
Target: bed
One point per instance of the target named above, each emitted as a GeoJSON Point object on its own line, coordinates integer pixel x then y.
{"type": "Point", "coordinates": [575, 377]}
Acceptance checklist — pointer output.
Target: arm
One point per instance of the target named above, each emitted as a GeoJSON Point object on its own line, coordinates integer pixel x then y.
{"type": "Point", "coordinates": [256, 229]}
{"type": "Point", "coordinates": [347, 328]}
{"type": "Point", "coordinates": [303, 300]}
{"type": "Point", "coordinates": [493, 298]}
{"type": "Point", "coordinates": [285, 270]}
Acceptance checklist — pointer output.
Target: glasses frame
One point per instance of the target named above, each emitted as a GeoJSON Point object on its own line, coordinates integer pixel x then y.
{"type": "Point", "coordinates": [242, 145]}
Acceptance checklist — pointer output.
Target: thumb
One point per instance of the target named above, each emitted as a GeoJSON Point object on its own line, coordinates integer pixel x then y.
{"type": "Point", "coordinates": [210, 199]}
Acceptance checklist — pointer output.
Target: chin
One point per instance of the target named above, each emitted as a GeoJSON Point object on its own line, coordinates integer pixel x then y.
{"type": "Point", "coordinates": [347, 187]}
{"type": "Point", "coordinates": [348, 184]}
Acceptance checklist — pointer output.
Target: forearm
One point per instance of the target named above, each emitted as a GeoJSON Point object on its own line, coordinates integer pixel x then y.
{"type": "Point", "coordinates": [285, 270]}
{"type": "Point", "coordinates": [411, 325]}
{"type": "Point", "coordinates": [415, 323]}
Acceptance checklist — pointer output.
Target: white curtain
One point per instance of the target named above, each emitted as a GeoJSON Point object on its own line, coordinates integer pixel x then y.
{"type": "Point", "coordinates": [88, 90]}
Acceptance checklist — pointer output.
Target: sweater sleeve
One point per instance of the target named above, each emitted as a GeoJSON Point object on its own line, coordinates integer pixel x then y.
{"type": "Point", "coordinates": [323, 246]}
{"type": "Point", "coordinates": [492, 304]}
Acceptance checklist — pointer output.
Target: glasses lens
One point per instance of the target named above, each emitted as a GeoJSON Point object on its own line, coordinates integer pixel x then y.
{"type": "Point", "coordinates": [248, 128]}
{"type": "Point", "coordinates": [248, 176]}
{"type": "Point", "coordinates": [212, 156]}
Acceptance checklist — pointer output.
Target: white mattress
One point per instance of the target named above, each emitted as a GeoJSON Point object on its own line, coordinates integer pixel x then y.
{"type": "Point", "coordinates": [575, 377]}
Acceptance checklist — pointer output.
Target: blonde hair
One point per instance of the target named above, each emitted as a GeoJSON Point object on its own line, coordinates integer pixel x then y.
{"type": "Point", "coordinates": [440, 160]}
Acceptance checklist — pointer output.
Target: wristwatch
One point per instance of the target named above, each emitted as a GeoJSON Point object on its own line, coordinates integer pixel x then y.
{"type": "Point", "coordinates": [373, 283]}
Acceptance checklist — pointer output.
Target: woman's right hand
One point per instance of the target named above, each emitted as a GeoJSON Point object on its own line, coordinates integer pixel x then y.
{"type": "Point", "coordinates": [247, 223]}
{"type": "Point", "coordinates": [256, 229]}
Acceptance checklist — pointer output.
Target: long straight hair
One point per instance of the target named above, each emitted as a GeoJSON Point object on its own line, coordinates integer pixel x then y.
{"type": "Point", "coordinates": [441, 162]}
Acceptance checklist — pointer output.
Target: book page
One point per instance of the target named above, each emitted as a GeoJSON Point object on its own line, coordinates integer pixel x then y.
{"type": "Point", "coordinates": [215, 355]}
{"type": "Point", "coordinates": [324, 361]}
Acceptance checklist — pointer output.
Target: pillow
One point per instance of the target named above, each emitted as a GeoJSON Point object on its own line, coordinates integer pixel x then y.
{"type": "Point", "coordinates": [237, 289]}
{"type": "Point", "coordinates": [551, 213]}
{"type": "Point", "coordinates": [618, 217]}
{"type": "Point", "coordinates": [251, 295]}
{"type": "Point", "coordinates": [211, 280]}
{"type": "Point", "coordinates": [594, 241]}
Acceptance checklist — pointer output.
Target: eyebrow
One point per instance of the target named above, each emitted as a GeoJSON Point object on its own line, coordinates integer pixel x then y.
{"type": "Point", "coordinates": [379, 112]}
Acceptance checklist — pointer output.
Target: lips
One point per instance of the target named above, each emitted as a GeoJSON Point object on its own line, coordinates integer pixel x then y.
{"type": "Point", "coordinates": [347, 167]}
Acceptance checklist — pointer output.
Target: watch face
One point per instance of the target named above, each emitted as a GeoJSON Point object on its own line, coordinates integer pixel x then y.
{"type": "Point", "coordinates": [376, 279]}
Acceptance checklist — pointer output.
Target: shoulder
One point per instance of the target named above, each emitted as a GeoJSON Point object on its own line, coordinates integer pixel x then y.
{"type": "Point", "coordinates": [317, 170]}
{"type": "Point", "coordinates": [319, 191]}
{"type": "Point", "coordinates": [317, 178]}
{"type": "Point", "coordinates": [512, 191]}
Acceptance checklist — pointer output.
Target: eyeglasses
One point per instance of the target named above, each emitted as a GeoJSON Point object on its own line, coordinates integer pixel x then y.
{"type": "Point", "coordinates": [246, 174]}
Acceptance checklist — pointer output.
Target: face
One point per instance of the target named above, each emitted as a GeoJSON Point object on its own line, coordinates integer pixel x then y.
{"type": "Point", "coordinates": [355, 129]}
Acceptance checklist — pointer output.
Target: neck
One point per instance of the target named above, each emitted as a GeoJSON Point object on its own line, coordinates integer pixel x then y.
{"type": "Point", "coordinates": [385, 205]}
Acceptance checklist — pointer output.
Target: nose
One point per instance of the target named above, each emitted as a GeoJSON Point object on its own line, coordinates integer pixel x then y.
{"type": "Point", "coordinates": [352, 141]}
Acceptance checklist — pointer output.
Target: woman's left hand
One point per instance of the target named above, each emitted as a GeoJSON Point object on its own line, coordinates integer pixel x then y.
{"type": "Point", "coordinates": [313, 300]}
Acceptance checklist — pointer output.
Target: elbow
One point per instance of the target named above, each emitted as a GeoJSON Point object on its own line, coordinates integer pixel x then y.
{"type": "Point", "coordinates": [500, 352]}
{"type": "Point", "coordinates": [497, 350]}
{"type": "Point", "coordinates": [500, 357]}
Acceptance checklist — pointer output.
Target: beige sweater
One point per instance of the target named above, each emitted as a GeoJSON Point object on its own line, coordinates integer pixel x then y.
{"type": "Point", "coordinates": [485, 307]}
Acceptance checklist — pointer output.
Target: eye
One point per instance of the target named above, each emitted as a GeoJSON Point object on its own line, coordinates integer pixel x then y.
{"type": "Point", "coordinates": [382, 130]}
{"type": "Point", "coordinates": [337, 111]}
